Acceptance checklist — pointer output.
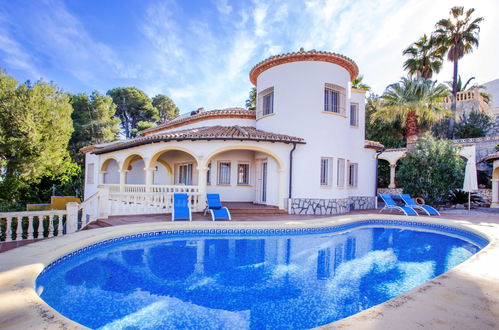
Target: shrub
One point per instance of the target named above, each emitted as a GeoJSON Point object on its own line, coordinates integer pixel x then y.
{"type": "Point", "coordinates": [473, 125]}
{"type": "Point", "coordinates": [459, 196]}
{"type": "Point", "coordinates": [431, 170]}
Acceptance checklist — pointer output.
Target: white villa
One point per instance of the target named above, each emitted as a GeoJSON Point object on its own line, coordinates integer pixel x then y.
{"type": "Point", "coordinates": [302, 150]}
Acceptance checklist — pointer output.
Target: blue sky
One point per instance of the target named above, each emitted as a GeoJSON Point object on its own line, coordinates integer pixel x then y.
{"type": "Point", "coordinates": [200, 52]}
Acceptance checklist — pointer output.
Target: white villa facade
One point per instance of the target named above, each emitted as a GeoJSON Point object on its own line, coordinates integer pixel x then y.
{"type": "Point", "coordinates": [302, 150]}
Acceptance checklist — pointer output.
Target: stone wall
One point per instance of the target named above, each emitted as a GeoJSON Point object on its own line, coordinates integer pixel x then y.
{"type": "Point", "coordinates": [330, 206]}
{"type": "Point", "coordinates": [494, 128]}
{"type": "Point", "coordinates": [390, 191]}
{"type": "Point", "coordinates": [486, 194]}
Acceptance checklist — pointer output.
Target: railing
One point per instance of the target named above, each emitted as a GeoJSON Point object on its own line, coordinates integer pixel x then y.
{"type": "Point", "coordinates": [463, 96]}
{"type": "Point", "coordinates": [89, 210]}
{"type": "Point", "coordinates": [15, 226]}
{"type": "Point", "coordinates": [147, 203]}
{"type": "Point", "coordinates": [140, 188]}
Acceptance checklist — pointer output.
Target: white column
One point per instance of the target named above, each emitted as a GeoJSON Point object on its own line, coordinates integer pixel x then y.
{"type": "Point", "coordinates": [495, 194]}
{"type": "Point", "coordinates": [282, 188]}
{"type": "Point", "coordinates": [103, 203]}
{"type": "Point", "coordinates": [122, 180]}
{"type": "Point", "coordinates": [202, 177]}
{"type": "Point", "coordinates": [392, 176]}
{"type": "Point", "coordinates": [72, 218]}
{"type": "Point", "coordinates": [149, 178]}
{"type": "Point", "coordinates": [101, 177]}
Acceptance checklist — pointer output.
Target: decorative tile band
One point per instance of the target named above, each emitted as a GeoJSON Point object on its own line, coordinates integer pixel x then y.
{"type": "Point", "coordinates": [476, 239]}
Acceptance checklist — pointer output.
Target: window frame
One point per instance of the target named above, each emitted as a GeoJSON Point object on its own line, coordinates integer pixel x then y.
{"type": "Point", "coordinates": [268, 103]}
{"type": "Point", "coordinates": [248, 175]}
{"type": "Point", "coordinates": [208, 175]}
{"type": "Point", "coordinates": [190, 175]}
{"type": "Point", "coordinates": [219, 173]}
{"type": "Point", "coordinates": [326, 172]}
{"type": "Point", "coordinates": [354, 106]}
{"type": "Point", "coordinates": [262, 111]}
{"type": "Point", "coordinates": [339, 106]}
{"type": "Point", "coordinates": [353, 175]}
{"type": "Point", "coordinates": [90, 173]}
{"type": "Point", "coordinates": [340, 173]}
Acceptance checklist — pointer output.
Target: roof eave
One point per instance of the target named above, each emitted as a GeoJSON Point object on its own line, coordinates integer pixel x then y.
{"type": "Point", "coordinates": [150, 140]}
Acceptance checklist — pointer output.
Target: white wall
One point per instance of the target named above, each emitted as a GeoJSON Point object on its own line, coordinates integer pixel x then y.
{"type": "Point", "coordinates": [205, 149]}
{"type": "Point", "coordinates": [136, 175]}
{"type": "Point", "coordinates": [233, 192]}
{"type": "Point", "coordinates": [176, 158]}
{"type": "Point", "coordinates": [161, 176]}
{"type": "Point", "coordinates": [112, 175]}
{"type": "Point", "coordinates": [214, 122]}
{"type": "Point", "coordinates": [91, 160]}
{"type": "Point", "coordinates": [299, 111]}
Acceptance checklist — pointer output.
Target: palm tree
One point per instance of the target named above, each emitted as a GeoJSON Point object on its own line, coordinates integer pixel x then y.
{"type": "Point", "coordinates": [457, 36]}
{"type": "Point", "coordinates": [358, 84]}
{"type": "Point", "coordinates": [413, 101]}
{"type": "Point", "coordinates": [425, 58]}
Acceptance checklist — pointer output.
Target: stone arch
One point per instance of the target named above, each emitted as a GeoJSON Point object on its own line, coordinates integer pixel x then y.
{"type": "Point", "coordinates": [133, 157]}
{"type": "Point", "coordinates": [166, 165]}
{"type": "Point", "coordinates": [495, 173]}
{"type": "Point", "coordinates": [161, 151]}
{"type": "Point", "coordinates": [281, 175]}
{"type": "Point", "coordinates": [105, 163]}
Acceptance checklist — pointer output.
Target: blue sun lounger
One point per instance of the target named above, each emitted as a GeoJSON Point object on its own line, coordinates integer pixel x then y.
{"type": "Point", "coordinates": [391, 205]}
{"type": "Point", "coordinates": [411, 203]}
{"type": "Point", "coordinates": [214, 205]}
{"type": "Point", "coordinates": [181, 209]}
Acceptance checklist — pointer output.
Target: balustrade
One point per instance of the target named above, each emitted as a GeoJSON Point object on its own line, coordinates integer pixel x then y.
{"type": "Point", "coordinates": [16, 226]}
{"type": "Point", "coordinates": [148, 203]}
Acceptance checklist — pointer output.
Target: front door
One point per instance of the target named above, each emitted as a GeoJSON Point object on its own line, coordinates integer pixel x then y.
{"type": "Point", "coordinates": [263, 183]}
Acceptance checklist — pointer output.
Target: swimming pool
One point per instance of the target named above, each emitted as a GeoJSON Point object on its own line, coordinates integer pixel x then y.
{"type": "Point", "coordinates": [248, 278]}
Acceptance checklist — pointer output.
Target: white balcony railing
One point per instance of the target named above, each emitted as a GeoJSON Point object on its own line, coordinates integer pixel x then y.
{"type": "Point", "coordinates": [24, 225]}
{"type": "Point", "coordinates": [141, 188]}
{"type": "Point", "coordinates": [464, 96]}
{"type": "Point", "coordinates": [147, 203]}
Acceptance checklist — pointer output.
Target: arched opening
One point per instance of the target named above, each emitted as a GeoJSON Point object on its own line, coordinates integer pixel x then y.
{"type": "Point", "coordinates": [246, 174]}
{"type": "Point", "coordinates": [134, 166]}
{"type": "Point", "coordinates": [110, 170]}
{"type": "Point", "coordinates": [174, 167]}
{"type": "Point", "coordinates": [495, 173]}
{"type": "Point", "coordinates": [383, 173]}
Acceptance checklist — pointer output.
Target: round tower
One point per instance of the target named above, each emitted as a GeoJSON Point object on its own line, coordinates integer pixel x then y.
{"type": "Point", "coordinates": [308, 94]}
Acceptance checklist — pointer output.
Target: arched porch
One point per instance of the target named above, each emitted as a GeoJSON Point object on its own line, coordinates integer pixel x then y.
{"type": "Point", "coordinates": [245, 174]}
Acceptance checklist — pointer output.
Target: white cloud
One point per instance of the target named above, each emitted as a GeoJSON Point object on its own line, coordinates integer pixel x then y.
{"type": "Point", "coordinates": [223, 7]}
{"type": "Point", "coordinates": [204, 59]}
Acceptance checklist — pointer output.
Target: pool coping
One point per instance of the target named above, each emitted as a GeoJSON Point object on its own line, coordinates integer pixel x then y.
{"type": "Point", "coordinates": [443, 302]}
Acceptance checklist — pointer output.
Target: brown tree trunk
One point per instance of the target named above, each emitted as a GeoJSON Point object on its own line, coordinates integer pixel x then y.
{"type": "Point", "coordinates": [450, 133]}
{"type": "Point", "coordinates": [411, 128]}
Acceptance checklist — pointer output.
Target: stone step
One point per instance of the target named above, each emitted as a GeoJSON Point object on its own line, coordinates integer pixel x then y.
{"type": "Point", "coordinates": [258, 211]}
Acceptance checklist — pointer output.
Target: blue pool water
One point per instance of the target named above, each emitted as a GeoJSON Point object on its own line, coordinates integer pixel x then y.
{"type": "Point", "coordinates": [277, 282]}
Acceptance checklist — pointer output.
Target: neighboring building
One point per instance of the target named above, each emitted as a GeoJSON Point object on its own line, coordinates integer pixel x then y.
{"type": "Point", "coordinates": [303, 149]}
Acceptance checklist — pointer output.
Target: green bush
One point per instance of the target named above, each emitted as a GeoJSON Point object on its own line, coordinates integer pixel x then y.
{"type": "Point", "coordinates": [473, 125]}
{"type": "Point", "coordinates": [383, 173]}
{"type": "Point", "coordinates": [459, 196]}
{"type": "Point", "coordinates": [432, 169]}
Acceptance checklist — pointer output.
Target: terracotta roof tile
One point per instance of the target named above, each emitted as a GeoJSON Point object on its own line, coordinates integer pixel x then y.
{"type": "Point", "coordinates": [373, 144]}
{"type": "Point", "coordinates": [225, 113]}
{"type": "Point", "coordinates": [246, 133]}
{"type": "Point", "coordinates": [311, 55]}
{"type": "Point", "coordinates": [491, 157]}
